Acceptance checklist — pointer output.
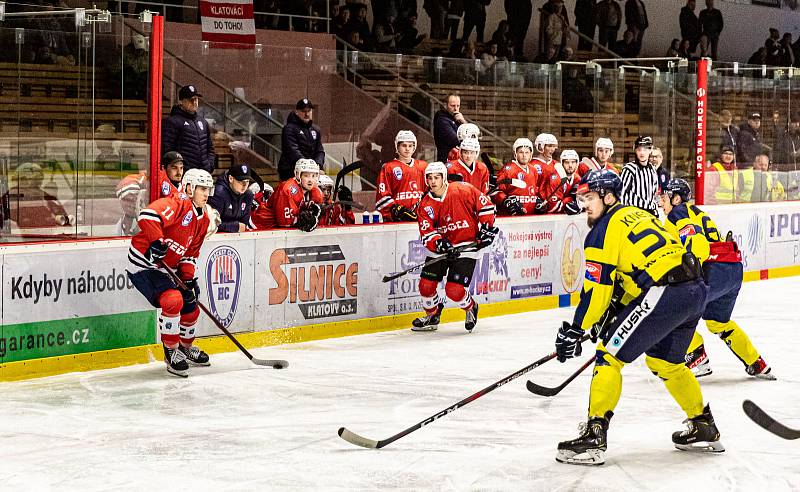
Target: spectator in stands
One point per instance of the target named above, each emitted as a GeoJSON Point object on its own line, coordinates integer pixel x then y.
{"type": "Point", "coordinates": [711, 24]}
{"type": "Point", "coordinates": [188, 133]}
{"type": "Point", "coordinates": [340, 23]}
{"type": "Point", "coordinates": [748, 142]}
{"type": "Point", "coordinates": [518, 13]}
{"type": "Point", "coordinates": [129, 69]}
{"type": "Point", "coordinates": [765, 188]}
{"type": "Point", "coordinates": [585, 22]}
{"type": "Point", "coordinates": [445, 125]}
{"type": "Point", "coordinates": [690, 24]}
{"type": "Point", "coordinates": [609, 18]}
{"type": "Point", "coordinates": [567, 54]}
{"type": "Point", "coordinates": [786, 56]}
{"type": "Point", "coordinates": [264, 21]}
{"type": "Point", "coordinates": [51, 34]}
{"type": "Point", "coordinates": [358, 23]}
{"type": "Point", "coordinates": [703, 47]}
{"type": "Point", "coordinates": [626, 47]}
{"type": "Point", "coordinates": [406, 8]}
{"type": "Point", "coordinates": [382, 9]}
{"type": "Point", "coordinates": [488, 59]}
{"type": "Point", "coordinates": [232, 199]}
{"type": "Point", "coordinates": [636, 20]}
{"type": "Point", "coordinates": [409, 37]}
{"type": "Point", "coordinates": [554, 25]}
{"type": "Point", "coordinates": [475, 18]}
{"type": "Point", "coordinates": [759, 57]}
{"type": "Point", "coordinates": [385, 35]}
{"type": "Point", "coordinates": [721, 177]}
{"type": "Point", "coordinates": [772, 44]}
{"type": "Point", "coordinates": [787, 151]}
{"type": "Point", "coordinates": [454, 14]}
{"type": "Point", "coordinates": [300, 139]}
{"type": "Point", "coordinates": [504, 41]}
{"type": "Point", "coordinates": [437, 11]}
{"type": "Point", "coordinates": [729, 132]}
{"type": "Point", "coordinates": [575, 95]}
{"type": "Point", "coordinates": [548, 56]}
{"type": "Point", "coordinates": [674, 48]}
{"type": "Point", "coordinates": [684, 49]}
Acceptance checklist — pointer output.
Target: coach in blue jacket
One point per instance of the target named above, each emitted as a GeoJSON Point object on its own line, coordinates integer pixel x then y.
{"type": "Point", "coordinates": [232, 199]}
{"type": "Point", "coordinates": [188, 133]}
{"type": "Point", "coordinates": [445, 126]}
{"type": "Point", "coordinates": [300, 139]}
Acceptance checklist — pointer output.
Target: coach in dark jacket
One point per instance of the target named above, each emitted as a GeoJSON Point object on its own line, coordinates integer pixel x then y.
{"type": "Point", "coordinates": [445, 127]}
{"type": "Point", "coordinates": [187, 132]}
{"type": "Point", "coordinates": [232, 199]}
{"type": "Point", "coordinates": [300, 139]}
{"type": "Point", "coordinates": [748, 141]}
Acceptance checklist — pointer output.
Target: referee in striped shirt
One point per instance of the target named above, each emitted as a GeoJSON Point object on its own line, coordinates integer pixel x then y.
{"type": "Point", "coordinates": [640, 179]}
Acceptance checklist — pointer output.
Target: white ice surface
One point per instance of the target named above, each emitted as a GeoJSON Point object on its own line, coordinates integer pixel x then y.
{"type": "Point", "coordinates": [235, 426]}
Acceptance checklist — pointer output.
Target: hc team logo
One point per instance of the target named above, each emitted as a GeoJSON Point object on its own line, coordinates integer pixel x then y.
{"type": "Point", "coordinates": [187, 218]}
{"type": "Point", "coordinates": [429, 211]}
{"type": "Point", "coordinates": [398, 173]}
{"type": "Point", "coordinates": [165, 188]}
{"type": "Point", "coordinates": [223, 278]}
{"type": "Point", "coordinates": [293, 190]}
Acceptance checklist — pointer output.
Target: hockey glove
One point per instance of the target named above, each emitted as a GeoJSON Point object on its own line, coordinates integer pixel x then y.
{"type": "Point", "coordinates": [402, 214]}
{"type": "Point", "coordinates": [541, 205]}
{"type": "Point", "coordinates": [513, 206]}
{"type": "Point", "coordinates": [191, 292]}
{"type": "Point", "coordinates": [308, 219]}
{"type": "Point", "coordinates": [486, 235]}
{"type": "Point", "coordinates": [568, 341]}
{"type": "Point", "coordinates": [572, 208]}
{"type": "Point", "coordinates": [345, 195]}
{"type": "Point", "coordinates": [444, 246]}
{"type": "Point", "coordinates": [157, 251]}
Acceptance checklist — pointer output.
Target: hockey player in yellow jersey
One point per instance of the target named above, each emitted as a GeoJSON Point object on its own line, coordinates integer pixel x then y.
{"type": "Point", "coordinates": [722, 267]}
{"type": "Point", "coordinates": [662, 296]}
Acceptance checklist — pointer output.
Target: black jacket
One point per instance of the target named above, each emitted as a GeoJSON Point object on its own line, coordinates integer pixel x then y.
{"type": "Point", "coordinates": [232, 208]}
{"type": "Point", "coordinates": [190, 135]}
{"type": "Point", "coordinates": [711, 22]}
{"type": "Point", "coordinates": [690, 24]}
{"type": "Point", "coordinates": [748, 145]}
{"type": "Point", "coordinates": [299, 141]}
{"type": "Point", "coordinates": [445, 134]}
{"type": "Point", "coordinates": [632, 15]}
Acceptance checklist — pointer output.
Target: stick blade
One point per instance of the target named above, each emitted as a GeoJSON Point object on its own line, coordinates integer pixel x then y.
{"type": "Point", "coordinates": [275, 364]}
{"type": "Point", "coordinates": [541, 390]}
{"type": "Point", "coordinates": [354, 438]}
{"type": "Point", "coordinates": [761, 418]}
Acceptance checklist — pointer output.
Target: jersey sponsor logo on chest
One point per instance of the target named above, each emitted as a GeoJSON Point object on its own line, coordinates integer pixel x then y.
{"type": "Point", "coordinates": [453, 226]}
{"type": "Point", "coordinates": [594, 271]}
{"type": "Point", "coordinates": [409, 195]}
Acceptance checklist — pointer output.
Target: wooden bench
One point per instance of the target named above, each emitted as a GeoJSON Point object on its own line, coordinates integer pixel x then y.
{"type": "Point", "coordinates": [30, 114]}
{"type": "Point", "coordinates": [31, 79]}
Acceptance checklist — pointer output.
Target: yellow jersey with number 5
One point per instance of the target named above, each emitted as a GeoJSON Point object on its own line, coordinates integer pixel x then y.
{"type": "Point", "coordinates": [627, 246]}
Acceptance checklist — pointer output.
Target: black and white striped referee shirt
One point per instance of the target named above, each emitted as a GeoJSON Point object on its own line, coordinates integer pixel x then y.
{"type": "Point", "coordinates": [640, 186]}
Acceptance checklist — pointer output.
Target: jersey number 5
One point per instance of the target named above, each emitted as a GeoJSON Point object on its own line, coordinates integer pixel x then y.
{"type": "Point", "coordinates": [660, 240]}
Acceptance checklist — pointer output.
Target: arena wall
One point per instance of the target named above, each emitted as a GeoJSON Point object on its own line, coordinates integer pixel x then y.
{"type": "Point", "coordinates": [69, 306]}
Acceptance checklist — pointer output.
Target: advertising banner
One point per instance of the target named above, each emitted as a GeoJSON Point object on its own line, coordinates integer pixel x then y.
{"type": "Point", "coordinates": [228, 21]}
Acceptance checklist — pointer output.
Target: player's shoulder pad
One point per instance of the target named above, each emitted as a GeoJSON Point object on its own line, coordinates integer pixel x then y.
{"type": "Point", "coordinates": [679, 212]}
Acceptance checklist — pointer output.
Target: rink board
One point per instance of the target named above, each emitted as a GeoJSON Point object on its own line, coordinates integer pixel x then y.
{"type": "Point", "coordinates": [69, 306]}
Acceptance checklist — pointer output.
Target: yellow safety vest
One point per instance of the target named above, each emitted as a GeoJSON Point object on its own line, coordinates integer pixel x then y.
{"type": "Point", "coordinates": [727, 179]}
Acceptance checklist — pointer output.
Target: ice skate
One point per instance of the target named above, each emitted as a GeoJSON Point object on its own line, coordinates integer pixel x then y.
{"type": "Point", "coordinates": [698, 362]}
{"type": "Point", "coordinates": [589, 448]}
{"type": "Point", "coordinates": [761, 370]}
{"type": "Point", "coordinates": [472, 317]}
{"type": "Point", "coordinates": [195, 356]}
{"type": "Point", "coordinates": [428, 322]}
{"type": "Point", "coordinates": [176, 362]}
{"type": "Point", "coordinates": [701, 434]}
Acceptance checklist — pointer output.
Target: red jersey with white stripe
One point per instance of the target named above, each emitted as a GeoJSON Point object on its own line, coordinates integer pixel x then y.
{"type": "Point", "coordinates": [591, 164]}
{"type": "Point", "coordinates": [175, 221]}
{"type": "Point", "coordinates": [550, 175]}
{"type": "Point", "coordinates": [455, 216]}
{"type": "Point", "coordinates": [477, 175]}
{"type": "Point", "coordinates": [517, 180]}
{"type": "Point", "coordinates": [565, 193]}
{"type": "Point", "coordinates": [165, 186]}
{"type": "Point", "coordinates": [400, 183]}
{"type": "Point", "coordinates": [283, 206]}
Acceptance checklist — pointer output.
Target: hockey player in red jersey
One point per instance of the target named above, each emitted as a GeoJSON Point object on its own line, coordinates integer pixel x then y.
{"type": "Point", "coordinates": [170, 174]}
{"type": "Point", "coordinates": [548, 170]}
{"type": "Point", "coordinates": [464, 131]}
{"type": "Point", "coordinates": [333, 213]}
{"type": "Point", "coordinates": [172, 230]}
{"type": "Point", "coordinates": [562, 198]}
{"type": "Point", "coordinates": [451, 215]}
{"type": "Point", "coordinates": [401, 182]}
{"type": "Point", "coordinates": [468, 166]}
{"type": "Point", "coordinates": [603, 150]}
{"type": "Point", "coordinates": [517, 182]}
{"type": "Point", "coordinates": [295, 203]}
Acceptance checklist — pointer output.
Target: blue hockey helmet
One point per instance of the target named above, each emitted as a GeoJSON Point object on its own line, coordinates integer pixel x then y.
{"type": "Point", "coordinates": [680, 187]}
{"type": "Point", "coordinates": [601, 181]}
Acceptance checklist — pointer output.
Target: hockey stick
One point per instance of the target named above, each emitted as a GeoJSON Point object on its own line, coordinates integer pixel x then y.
{"type": "Point", "coordinates": [274, 363]}
{"type": "Point", "coordinates": [545, 391]}
{"type": "Point", "coordinates": [430, 261]}
{"type": "Point", "coordinates": [346, 169]}
{"type": "Point", "coordinates": [761, 418]}
{"type": "Point", "coordinates": [354, 438]}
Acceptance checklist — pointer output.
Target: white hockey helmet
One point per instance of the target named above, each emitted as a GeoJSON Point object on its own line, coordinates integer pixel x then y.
{"type": "Point", "coordinates": [325, 181]}
{"type": "Point", "coordinates": [405, 136]}
{"type": "Point", "coordinates": [604, 143]}
{"type": "Point", "coordinates": [197, 177]}
{"type": "Point", "coordinates": [543, 139]}
{"type": "Point", "coordinates": [468, 130]}
{"type": "Point", "coordinates": [522, 142]}
{"type": "Point", "coordinates": [570, 155]}
{"type": "Point", "coordinates": [305, 166]}
{"type": "Point", "coordinates": [436, 167]}
{"type": "Point", "coordinates": [470, 144]}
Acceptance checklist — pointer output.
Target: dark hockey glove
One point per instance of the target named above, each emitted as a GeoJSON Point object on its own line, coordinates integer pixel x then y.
{"type": "Point", "coordinates": [191, 292]}
{"type": "Point", "coordinates": [308, 219]}
{"type": "Point", "coordinates": [345, 195]}
{"type": "Point", "coordinates": [568, 341]}
{"type": "Point", "coordinates": [541, 205]}
{"type": "Point", "coordinates": [157, 251]}
{"type": "Point", "coordinates": [511, 203]}
{"type": "Point", "coordinates": [486, 235]}
{"type": "Point", "coordinates": [402, 214]}
{"type": "Point", "coordinates": [572, 208]}
{"type": "Point", "coordinates": [444, 246]}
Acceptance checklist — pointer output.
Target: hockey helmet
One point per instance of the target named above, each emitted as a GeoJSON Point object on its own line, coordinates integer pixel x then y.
{"type": "Point", "coordinates": [570, 154]}
{"type": "Point", "coordinates": [604, 143]}
{"type": "Point", "coordinates": [468, 130]}
{"type": "Point", "coordinates": [436, 167]}
{"type": "Point", "coordinates": [643, 141]}
{"type": "Point", "coordinates": [470, 144]}
{"type": "Point", "coordinates": [544, 139]}
{"type": "Point", "coordinates": [405, 136]}
{"type": "Point", "coordinates": [197, 177]}
{"type": "Point", "coordinates": [601, 181]}
{"type": "Point", "coordinates": [305, 166]}
{"type": "Point", "coordinates": [522, 142]}
{"type": "Point", "coordinates": [680, 187]}
{"type": "Point", "coordinates": [325, 181]}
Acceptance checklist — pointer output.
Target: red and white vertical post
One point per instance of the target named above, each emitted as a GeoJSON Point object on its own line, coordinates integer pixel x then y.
{"type": "Point", "coordinates": [154, 101]}
{"type": "Point", "coordinates": [701, 113]}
